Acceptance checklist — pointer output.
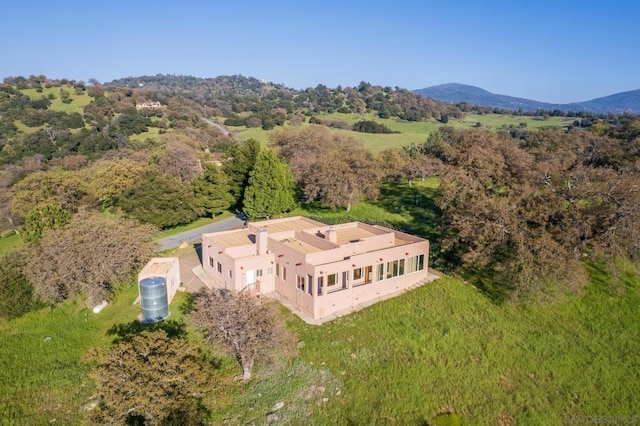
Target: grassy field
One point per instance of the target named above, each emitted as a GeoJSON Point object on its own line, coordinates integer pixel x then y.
{"type": "Point", "coordinates": [77, 104]}
{"type": "Point", "coordinates": [410, 132]}
{"type": "Point", "coordinates": [496, 121]}
{"type": "Point", "coordinates": [10, 242]}
{"type": "Point", "coordinates": [45, 379]}
{"type": "Point", "coordinates": [441, 348]}
{"type": "Point", "coordinates": [446, 348]}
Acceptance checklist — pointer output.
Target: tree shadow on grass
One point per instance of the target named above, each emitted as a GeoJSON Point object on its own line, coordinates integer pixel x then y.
{"type": "Point", "coordinates": [414, 202]}
{"type": "Point", "coordinates": [173, 328]}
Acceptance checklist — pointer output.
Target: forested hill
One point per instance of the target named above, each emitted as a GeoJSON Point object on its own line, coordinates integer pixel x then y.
{"type": "Point", "coordinates": [238, 94]}
{"type": "Point", "coordinates": [208, 87]}
{"type": "Point", "coordinates": [619, 103]}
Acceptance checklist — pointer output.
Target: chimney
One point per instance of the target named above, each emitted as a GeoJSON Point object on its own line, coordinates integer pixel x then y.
{"type": "Point", "coordinates": [261, 241]}
{"type": "Point", "coordinates": [331, 235]}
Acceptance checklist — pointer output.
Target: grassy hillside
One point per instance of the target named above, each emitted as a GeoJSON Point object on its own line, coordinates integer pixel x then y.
{"type": "Point", "coordinates": [441, 348]}
{"type": "Point", "coordinates": [410, 131]}
{"type": "Point", "coordinates": [446, 348]}
{"type": "Point", "coordinates": [45, 379]}
{"type": "Point", "coordinates": [78, 101]}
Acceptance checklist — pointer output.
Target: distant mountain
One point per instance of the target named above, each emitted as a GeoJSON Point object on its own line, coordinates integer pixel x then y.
{"type": "Point", "coordinates": [458, 93]}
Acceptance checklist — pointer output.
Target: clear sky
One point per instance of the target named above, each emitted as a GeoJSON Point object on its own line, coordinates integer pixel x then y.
{"type": "Point", "coordinates": [552, 51]}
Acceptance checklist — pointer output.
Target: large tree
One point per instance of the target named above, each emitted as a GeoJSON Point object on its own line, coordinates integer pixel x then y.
{"type": "Point", "coordinates": [179, 160]}
{"type": "Point", "coordinates": [45, 216]}
{"type": "Point", "coordinates": [152, 379]}
{"type": "Point", "coordinates": [16, 292]}
{"type": "Point", "coordinates": [66, 189]}
{"type": "Point", "coordinates": [498, 217]}
{"type": "Point", "coordinates": [247, 327]}
{"type": "Point", "coordinates": [337, 171]}
{"type": "Point", "coordinates": [108, 179]}
{"type": "Point", "coordinates": [271, 189]}
{"type": "Point", "coordinates": [159, 199]}
{"type": "Point", "coordinates": [88, 256]}
{"type": "Point", "coordinates": [211, 190]}
{"type": "Point", "coordinates": [240, 159]}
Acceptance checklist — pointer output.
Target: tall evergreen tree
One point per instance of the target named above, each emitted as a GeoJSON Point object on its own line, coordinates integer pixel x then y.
{"type": "Point", "coordinates": [241, 159]}
{"type": "Point", "coordinates": [271, 187]}
{"type": "Point", "coordinates": [211, 191]}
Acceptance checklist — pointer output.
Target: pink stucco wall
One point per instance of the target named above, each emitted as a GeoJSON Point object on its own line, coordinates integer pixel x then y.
{"type": "Point", "coordinates": [307, 254]}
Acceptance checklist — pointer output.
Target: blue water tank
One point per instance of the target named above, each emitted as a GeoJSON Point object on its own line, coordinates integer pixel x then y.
{"type": "Point", "coordinates": [153, 299]}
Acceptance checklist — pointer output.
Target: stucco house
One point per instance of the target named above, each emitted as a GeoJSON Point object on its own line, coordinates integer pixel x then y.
{"type": "Point", "coordinates": [317, 269]}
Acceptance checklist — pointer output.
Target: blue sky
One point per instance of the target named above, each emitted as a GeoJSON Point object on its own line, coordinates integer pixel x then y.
{"type": "Point", "coordinates": [552, 51]}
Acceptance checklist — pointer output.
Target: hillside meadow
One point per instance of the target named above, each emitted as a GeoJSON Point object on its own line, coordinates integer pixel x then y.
{"type": "Point", "coordinates": [409, 131]}
{"type": "Point", "coordinates": [443, 348]}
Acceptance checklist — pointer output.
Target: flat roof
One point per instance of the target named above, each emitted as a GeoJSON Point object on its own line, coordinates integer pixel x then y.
{"type": "Point", "coordinates": [297, 223]}
{"type": "Point", "coordinates": [354, 233]}
{"type": "Point", "coordinates": [158, 266]}
{"type": "Point", "coordinates": [241, 237]}
{"type": "Point", "coordinates": [300, 246]}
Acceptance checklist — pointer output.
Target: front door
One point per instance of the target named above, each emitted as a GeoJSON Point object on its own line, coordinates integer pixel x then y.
{"type": "Point", "coordinates": [249, 279]}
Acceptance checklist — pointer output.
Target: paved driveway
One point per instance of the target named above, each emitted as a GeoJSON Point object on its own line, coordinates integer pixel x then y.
{"type": "Point", "coordinates": [194, 235]}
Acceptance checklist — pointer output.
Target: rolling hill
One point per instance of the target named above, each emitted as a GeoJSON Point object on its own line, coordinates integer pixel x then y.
{"type": "Point", "coordinates": [618, 103]}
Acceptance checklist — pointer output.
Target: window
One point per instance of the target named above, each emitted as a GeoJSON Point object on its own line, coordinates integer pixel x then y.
{"type": "Point", "coordinates": [277, 269]}
{"type": "Point", "coordinates": [218, 267]}
{"type": "Point", "coordinates": [332, 281]}
{"type": "Point", "coordinates": [270, 271]}
{"type": "Point", "coordinates": [230, 274]}
{"type": "Point", "coordinates": [320, 285]}
{"type": "Point", "coordinates": [415, 263]}
{"type": "Point", "coordinates": [310, 286]}
{"type": "Point", "coordinates": [300, 282]}
{"type": "Point", "coordinates": [211, 261]}
{"type": "Point", "coordinates": [368, 271]}
{"type": "Point", "coordinates": [390, 266]}
{"type": "Point", "coordinates": [259, 273]}
{"type": "Point", "coordinates": [357, 274]}
{"type": "Point", "coordinates": [284, 273]}
{"type": "Point", "coordinates": [395, 268]}
{"type": "Point", "coordinates": [380, 272]}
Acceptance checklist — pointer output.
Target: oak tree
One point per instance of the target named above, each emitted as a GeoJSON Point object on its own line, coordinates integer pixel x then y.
{"type": "Point", "coordinates": [152, 379]}
{"type": "Point", "coordinates": [87, 257]}
{"type": "Point", "coordinates": [246, 327]}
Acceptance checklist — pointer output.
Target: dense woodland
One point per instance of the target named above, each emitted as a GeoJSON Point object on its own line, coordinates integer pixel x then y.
{"type": "Point", "coordinates": [86, 178]}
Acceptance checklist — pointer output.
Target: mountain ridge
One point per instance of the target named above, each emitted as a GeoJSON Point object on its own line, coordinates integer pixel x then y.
{"type": "Point", "coordinates": [622, 102]}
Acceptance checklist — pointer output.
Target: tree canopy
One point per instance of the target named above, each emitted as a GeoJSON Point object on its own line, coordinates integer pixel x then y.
{"type": "Point", "coordinates": [271, 189]}
{"type": "Point", "coordinates": [151, 378]}
{"type": "Point", "coordinates": [337, 171]}
{"type": "Point", "coordinates": [88, 256]}
{"type": "Point", "coordinates": [245, 326]}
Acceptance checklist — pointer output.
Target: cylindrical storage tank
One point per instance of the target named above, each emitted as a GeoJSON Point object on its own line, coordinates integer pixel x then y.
{"type": "Point", "coordinates": [153, 299]}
